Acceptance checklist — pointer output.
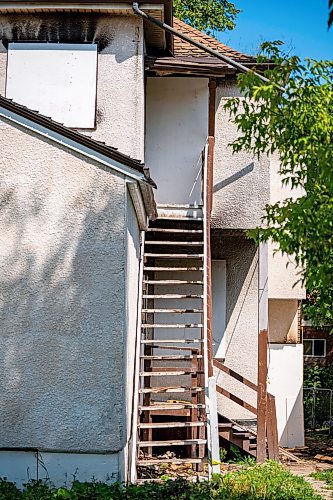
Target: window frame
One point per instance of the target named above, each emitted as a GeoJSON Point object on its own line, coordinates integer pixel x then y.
{"type": "Point", "coordinates": [312, 355]}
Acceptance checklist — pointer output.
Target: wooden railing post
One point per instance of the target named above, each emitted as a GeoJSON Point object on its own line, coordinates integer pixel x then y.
{"type": "Point", "coordinates": [272, 434]}
{"type": "Point", "coordinates": [208, 208]}
{"type": "Point", "coordinates": [262, 352]}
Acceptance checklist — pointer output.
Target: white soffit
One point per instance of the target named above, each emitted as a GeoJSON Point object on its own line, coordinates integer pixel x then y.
{"type": "Point", "coordinates": [58, 80]}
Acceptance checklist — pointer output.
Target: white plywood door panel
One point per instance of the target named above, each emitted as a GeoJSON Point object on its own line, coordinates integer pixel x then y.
{"type": "Point", "coordinates": [285, 382]}
{"type": "Point", "coordinates": [58, 80]}
{"type": "Point", "coordinates": [219, 289]}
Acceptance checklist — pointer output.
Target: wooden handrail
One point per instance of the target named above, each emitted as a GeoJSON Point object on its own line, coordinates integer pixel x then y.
{"type": "Point", "coordinates": [234, 375]}
{"type": "Point", "coordinates": [271, 428]}
{"type": "Point", "coordinates": [236, 399]}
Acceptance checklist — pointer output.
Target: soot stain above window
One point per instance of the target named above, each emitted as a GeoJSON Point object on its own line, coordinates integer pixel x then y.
{"type": "Point", "coordinates": [60, 28]}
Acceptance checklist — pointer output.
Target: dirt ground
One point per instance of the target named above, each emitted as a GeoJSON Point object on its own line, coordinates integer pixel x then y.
{"type": "Point", "coordinates": [316, 456]}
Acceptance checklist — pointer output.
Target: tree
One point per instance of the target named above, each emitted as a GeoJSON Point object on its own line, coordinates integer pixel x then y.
{"type": "Point", "coordinates": [330, 8]}
{"type": "Point", "coordinates": [207, 15]}
{"type": "Point", "coordinates": [293, 115]}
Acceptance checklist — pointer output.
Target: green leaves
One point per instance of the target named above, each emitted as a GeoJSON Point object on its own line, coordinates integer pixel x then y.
{"type": "Point", "coordinates": [298, 123]}
{"type": "Point", "coordinates": [207, 15]}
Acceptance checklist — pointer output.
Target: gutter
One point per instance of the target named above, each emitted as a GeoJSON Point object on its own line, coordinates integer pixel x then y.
{"type": "Point", "coordinates": [212, 52]}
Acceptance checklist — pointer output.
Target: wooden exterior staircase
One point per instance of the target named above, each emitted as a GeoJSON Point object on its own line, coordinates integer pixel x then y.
{"type": "Point", "coordinates": [172, 410]}
{"type": "Point", "coordinates": [175, 418]}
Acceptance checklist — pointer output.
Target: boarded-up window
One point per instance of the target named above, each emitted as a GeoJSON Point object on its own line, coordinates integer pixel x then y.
{"type": "Point", "coordinates": [58, 80]}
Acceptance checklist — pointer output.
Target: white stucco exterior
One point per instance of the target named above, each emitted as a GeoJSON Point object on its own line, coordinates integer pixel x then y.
{"type": "Point", "coordinates": [176, 133]}
{"type": "Point", "coordinates": [120, 99]}
{"type": "Point", "coordinates": [240, 341]}
{"type": "Point", "coordinates": [69, 242]}
{"type": "Point", "coordinates": [241, 182]}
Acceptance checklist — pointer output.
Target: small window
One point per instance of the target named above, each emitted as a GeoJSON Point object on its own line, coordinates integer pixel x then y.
{"type": "Point", "coordinates": [315, 348]}
{"type": "Point", "coordinates": [57, 79]}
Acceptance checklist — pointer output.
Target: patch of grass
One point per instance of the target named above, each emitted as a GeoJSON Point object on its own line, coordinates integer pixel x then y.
{"type": "Point", "coordinates": [324, 475]}
{"type": "Point", "coordinates": [260, 482]}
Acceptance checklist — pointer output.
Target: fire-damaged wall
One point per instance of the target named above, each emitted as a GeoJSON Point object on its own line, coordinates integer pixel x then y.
{"type": "Point", "coordinates": [120, 67]}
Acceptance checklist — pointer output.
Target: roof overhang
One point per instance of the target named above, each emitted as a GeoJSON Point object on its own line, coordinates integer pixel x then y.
{"type": "Point", "coordinates": [156, 38]}
{"type": "Point", "coordinates": [194, 66]}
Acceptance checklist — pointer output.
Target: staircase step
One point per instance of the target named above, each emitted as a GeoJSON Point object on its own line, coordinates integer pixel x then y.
{"type": "Point", "coordinates": [173, 406]}
{"type": "Point", "coordinates": [173, 282]}
{"type": "Point", "coordinates": [172, 296]}
{"type": "Point", "coordinates": [169, 230]}
{"type": "Point", "coordinates": [226, 425]}
{"type": "Point", "coordinates": [170, 341]}
{"type": "Point", "coordinates": [158, 325]}
{"type": "Point", "coordinates": [181, 311]}
{"type": "Point", "coordinates": [175, 256]}
{"type": "Point", "coordinates": [179, 461]}
{"type": "Point", "coordinates": [174, 373]}
{"type": "Point", "coordinates": [241, 434]}
{"type": "Point", "coordinates": [162, 269]}
{"type": "Point", "coordinates": [177, 442]}
{"type": "Point", "coordinates": [167, 390]}
{"type": "Point", "coordinates": [175, 243]}
{"type": "Point", "coordinates": [184, 218]}
{"type": "Point", "coordinates": [173, 358]}
{"type": "Point", "coordinates": [170, 425]}
{"type": "Point", "coordinates": [176, 348]}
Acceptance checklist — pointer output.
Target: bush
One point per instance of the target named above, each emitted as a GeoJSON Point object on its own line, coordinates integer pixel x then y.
{"type": "Point", "coordinates": [261, 482]}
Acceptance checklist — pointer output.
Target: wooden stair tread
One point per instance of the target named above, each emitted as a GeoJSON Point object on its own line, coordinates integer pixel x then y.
{"type": "Point", "coordinates": [168, 390]}
{"type": "Point", "coordinates": [175, 243]}
{"type": "Point", "coordinates": [175, 256]}
{"type": "Point", "coordinates": [170, 341]}
{"type": "Point", "coordinates": [170, 461]}
{"type": "Point", "coordinates": [174, 373]}
{"type": "Point", "coordinates": [171, 425]}
{"type": "Point", "coordinates": [173, 406]}
{"type": "Point", "coordinates": [173, 282]}
{"type": "Point", "coordinates": [177, 442]}
{"type": "Point", "coordinates": [172, 296]}
{"type": "Point", "coordinates": [174, 230]}
{"type": "Point", "coordinates": [160, 325]}
{"type": "Point", "coordinates": [179, 217]}
{"type": "Point", "coordinates": [180, 311]}
{"type": "Point", "coordinates": [172, 357]}
{"type": "Point", "coordinates": [162, 269]}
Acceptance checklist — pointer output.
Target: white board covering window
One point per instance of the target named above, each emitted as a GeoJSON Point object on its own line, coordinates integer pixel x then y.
{"type": "Point", "coordinates": [56, 79]}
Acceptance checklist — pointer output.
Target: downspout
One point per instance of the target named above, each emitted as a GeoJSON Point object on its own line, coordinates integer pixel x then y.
{"type": "Point", "coordinates": [212, 52]}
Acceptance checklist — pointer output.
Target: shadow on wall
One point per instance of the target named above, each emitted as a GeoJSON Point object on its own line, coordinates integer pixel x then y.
{"type": "Point", "coordinates": [233, 178]}
{"type": "Point", "coordinates": [240, 254]}
{"type": "Point", "coordinates": [62, 301]}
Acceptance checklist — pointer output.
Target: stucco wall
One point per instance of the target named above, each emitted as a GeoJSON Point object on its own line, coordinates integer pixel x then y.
{"type": "Point", "coordinates": [62, 261]}
{"type": "Point", "coordinates": [283, 321]}
{"type": "Point", "coordinates": [60, 469]}
{"type": "Point", "coordinates": [120, 67]}
{"type": "Point", "coordinates": [176, 133]}
{"type": "Point", "coordinates": [284, 277]}
{"type": "Point", "coordinates": [132, 290]}
{"type": "Point", "coordinates": [241, 182]}
{"type": "Point", "coordinates": [241, 333]}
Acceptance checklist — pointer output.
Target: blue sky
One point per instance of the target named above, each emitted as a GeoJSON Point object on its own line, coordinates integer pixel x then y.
{"type": "Point", "coordinates": [301, 24]}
